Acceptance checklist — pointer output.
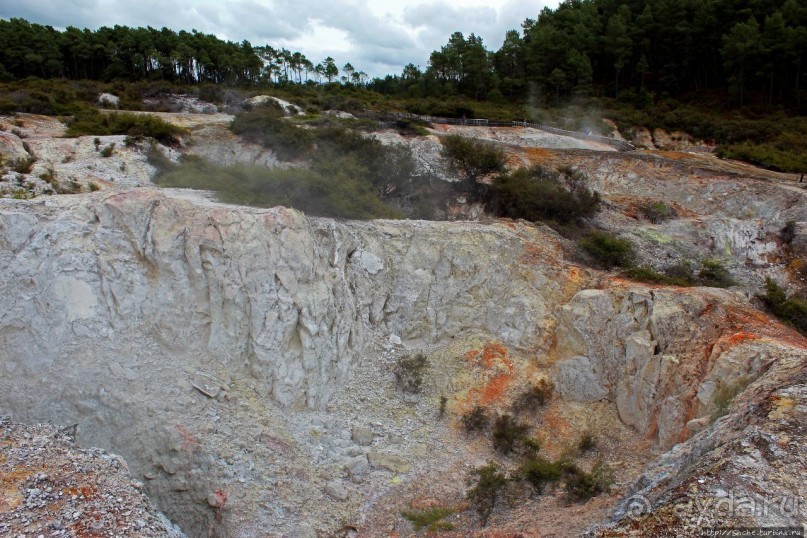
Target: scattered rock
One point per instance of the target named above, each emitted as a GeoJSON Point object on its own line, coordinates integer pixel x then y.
{"type": "Point", "coordinates": [336, 490]}
{"type": "Point", "coordinates": [362, 435]}
{"type": "Point", "coordinates": [390, 462]}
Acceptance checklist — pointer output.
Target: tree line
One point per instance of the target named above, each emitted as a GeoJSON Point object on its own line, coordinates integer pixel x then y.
{"type": "Point", "coordinates": [135, 54]}
{"type": "Point", "coordinates": [638, 49]}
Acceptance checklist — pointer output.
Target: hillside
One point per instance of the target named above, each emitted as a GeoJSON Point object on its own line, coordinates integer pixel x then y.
{"type": "Point", "coordinates": [258, 367]}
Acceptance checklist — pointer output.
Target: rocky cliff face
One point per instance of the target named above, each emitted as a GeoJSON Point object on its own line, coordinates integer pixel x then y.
{"type": "Point", "coordinates": [141, 309]}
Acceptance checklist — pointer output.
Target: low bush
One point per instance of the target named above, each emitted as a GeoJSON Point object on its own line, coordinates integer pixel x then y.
{"type": "Point", "coordinates": [791, 310]}
{"type": "Point", "coordinates": [714, 274]}
{"type": "Point", "coordinates": [483, 495]}
{"type": "Point", "coordinates": [650, 275]}
{"type": "Point", "coordinates": [582, 486]}
{"type": "Point", "coordinates": [475, 420]}
{"type": "Point", "coordinates": [537, 395]}
{"type": "Point", "coordinates": [108, 151]}
{"type": "Point", "coordinates": [587, 442]}
{"type": "Point", "coordinates": [725, 395]}
{"type": "Point", "coordinates": [540, 472]}
{"type": "Point", "coordinates": [24, 165]}
{"type": "Point", "coordinates": [95, 123]}
{"type": "Point", "coordinates": [658, 212]}
{"type": "Point", "coordinates": [430, 519]}
{"type": "Point", "coordinates": [507, 434]}
{"type": "Point", "coordinates": [788, 233]}
{"type": "Point", "coordinates": [266, 126]}
{"type": "Point", "coordinates": [409, 372]}
{"type": "Point", "coordinates": [538, 194]}
{"type": "Point", "coordinates": [472, 159]}
{"type": "Point", "coordinates": [608, 250]}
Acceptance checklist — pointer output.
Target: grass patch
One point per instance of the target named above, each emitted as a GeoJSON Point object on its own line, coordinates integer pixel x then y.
{"type": "Point", "coordinates": [430, 519]}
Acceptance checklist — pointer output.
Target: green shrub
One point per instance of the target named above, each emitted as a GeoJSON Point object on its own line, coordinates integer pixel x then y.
{"type": "Point", "coordinates": [582, 486]}
{"type": "Point", "coordinates": [539, 472]}
{"type": "Point", "coordinates": [266, 126]}
{"type": "Point", "coordinates": [725, 395]}
{"type": "Point", "coordinates": [608, 250]}
{"type": "Point", "coordinates": [48, 176]}
{"type": "Point", "coordinates": [535, 396]}
{"type": "Point", "coordinates": [788, 233]}
{"type": "Point", "coordinates": [650, 275]}
{"type": "Point", "coordinates": [108, 151]}
{"type": "Point", "coordinates": [791, 310]}
{"type": "Point", "coordinates": [95, 123]}
{"type": "Point", "coordinates": [429, 519]}
{"type": "Point", "coordinates": [587, 442]}
{"type": "Point", "coordinates": [475, 420]}
{"type": "Point", "coordinates": [409, 372]}
{"type": "Point", "coordinates": [472, 159]}
{"type": "Point", "coordinates": [507, 433]}
{"type": "Point", "coordinates": [657, 212]}
{"type": "Point", "coordinates": [713, 273]}
{"type": "Point", "coordinates": [489, 483]}
{"type": "Point", "coordinates": [538, 194]}
{"type": "Point", "coordinates": [24, 165]}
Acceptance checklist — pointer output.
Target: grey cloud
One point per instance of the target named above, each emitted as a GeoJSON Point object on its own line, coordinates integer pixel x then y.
{"type": "Point", "coordinates": [378, 45]}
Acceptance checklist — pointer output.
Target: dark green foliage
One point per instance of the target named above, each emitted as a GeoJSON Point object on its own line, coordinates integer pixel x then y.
{"type": "Point", "coordinates": [608, 250]}
{"type": "Point", "coordinates": [657, 212]}
{"type": "Point", "coordinates": [143, 125]}
{"type": "Point", "coordinates": [535, 396]}
{"type": "Point", "coordinates": [507, 434]}
{"type": "Point", "coordinates": [489, 483]}
{"type": "Point", "coordinates": [540, 472]}
{"type": "Point", "coordinates": [791, 310]}
{"type": "Point", "coordinates": [539, 194]}
{"type": "Point", "coordinates": [339, 195]}
{"type": "Point", "coordinates": [442, 407]}
{"type": "Point", "coordinates": [587, 442]}
{"type": "Point", "coordinates": [430, 519]}
{"type": "Point", "coordinates": [788, 233]}
{"type": "Point", "coordinates": [714, 274]}
{"type": "Point", "coordinates": [267, 127]}
{"type": "Point", "coordinates": [475, 420]}
{"type": "Point", "coordinates": [108, 151]}
{"type": "Point", "coordinates": [472, 159]}
{"type": "Point", "coordinates": [24, 166]}
{"type": "Point", "coordinates": [650, 275]}
{"type": "Point", "coordinates": [409, 372]}
{"type": "Point", "coordinates": [582, 486]}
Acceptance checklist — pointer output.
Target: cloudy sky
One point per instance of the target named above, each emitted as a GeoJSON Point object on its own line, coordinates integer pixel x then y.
{"type": "Point", "coordinates": [376, 36]}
